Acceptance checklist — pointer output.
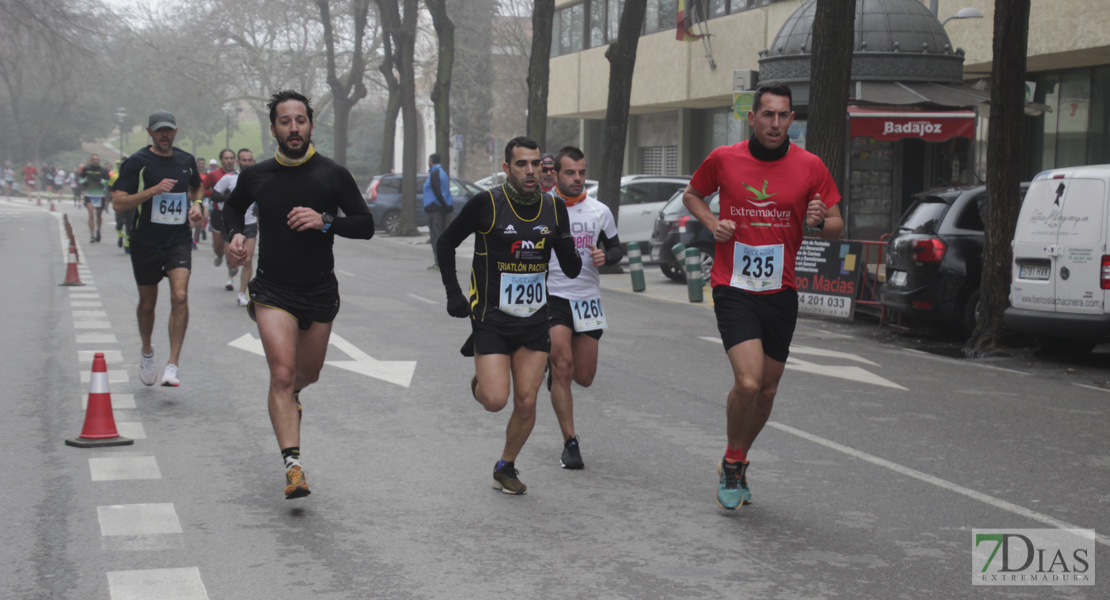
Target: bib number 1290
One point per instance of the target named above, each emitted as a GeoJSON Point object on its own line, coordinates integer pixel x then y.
{"type": "Point", "coordinates": [522, 295]}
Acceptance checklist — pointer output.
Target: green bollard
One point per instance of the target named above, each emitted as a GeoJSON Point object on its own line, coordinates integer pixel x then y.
{"type": "Point", "coordinates": [636, 266]}
{"type": "Point", "coordinates": [694, 281]}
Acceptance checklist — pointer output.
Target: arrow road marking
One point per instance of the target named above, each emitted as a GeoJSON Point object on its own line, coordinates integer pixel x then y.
{"type": "Point", "coordinates": [398, 372]}
{"type": "Point", "coordinates": [851, 373]}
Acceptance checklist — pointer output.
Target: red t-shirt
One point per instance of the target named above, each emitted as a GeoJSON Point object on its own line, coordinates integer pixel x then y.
{"type": "Point", "coordinates": [29, 173]}
{"type": "Point", "coordinates": [767, 200]}
{"type": "Point", "coordinates": [210, 179]}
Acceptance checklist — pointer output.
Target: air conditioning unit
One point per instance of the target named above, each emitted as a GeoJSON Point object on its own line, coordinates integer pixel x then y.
{"type": "Point", "coordinates": [744, 79]}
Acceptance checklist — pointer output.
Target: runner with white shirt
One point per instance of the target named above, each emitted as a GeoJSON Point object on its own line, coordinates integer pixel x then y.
{"type": "Point", "coordinates": [576, 314]}
{"type": "Point", "coordinates": [220, 193]}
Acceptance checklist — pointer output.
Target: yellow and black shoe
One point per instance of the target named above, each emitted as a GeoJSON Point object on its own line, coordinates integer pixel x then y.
{"type": "Point", "coordinates": [296, 486]}
{"type": "Point", "coordinates": [504, 479]}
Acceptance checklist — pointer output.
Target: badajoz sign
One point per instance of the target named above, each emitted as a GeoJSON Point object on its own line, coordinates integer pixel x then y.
{"type": "Point", "coordinates": [1033, 557]}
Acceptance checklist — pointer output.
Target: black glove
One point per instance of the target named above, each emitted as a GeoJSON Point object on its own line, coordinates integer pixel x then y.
{"type": "Point", "coordinates": [457, 304]}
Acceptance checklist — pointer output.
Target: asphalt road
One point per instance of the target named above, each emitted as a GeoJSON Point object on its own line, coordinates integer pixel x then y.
{"type": "Point", "coordinates": [877, 464]}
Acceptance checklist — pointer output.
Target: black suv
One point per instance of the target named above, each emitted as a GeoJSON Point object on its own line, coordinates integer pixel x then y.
{"type": "Point", "coordinates": [675, 224]}
{"type": "Point", "coordinates": [934, 259]}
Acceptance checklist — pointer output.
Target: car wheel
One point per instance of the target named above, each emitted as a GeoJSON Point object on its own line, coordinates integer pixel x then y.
{"type": "Point", "coordinates": [673, 272]}
{"type": "Point", "coordinates": [706, 264]}
{"type": "Point", "coordinates": [1066, 347]}
{"type": "Point", "coordinates": [391, 222]}
{"type": "Point", "coordinates": [970, 316]}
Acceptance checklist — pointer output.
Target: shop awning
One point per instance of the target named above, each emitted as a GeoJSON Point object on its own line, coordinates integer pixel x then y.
{"type": "Point", "coordinates": [925, 93]}
{"type": "Point", "coordinates": [889, 125]}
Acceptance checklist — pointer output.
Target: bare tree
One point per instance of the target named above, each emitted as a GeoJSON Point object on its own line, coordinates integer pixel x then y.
{"type": "Point", "coordinates": [346, 91]}
{"type": "Point", "coordinates": [441, 91]}
{"type": "Point", "coordinates": [1004, 159]}
{"type": "Point", "coordinates": [392, 87]}
{"type": "Point", "coordinates": [622, 61]}
{"type": "Point", "coordinates": [543, 18]}
{"type": "Point", "coordinates": [831, 75]}
{"type": "Point", "coordinates": [400, 20]}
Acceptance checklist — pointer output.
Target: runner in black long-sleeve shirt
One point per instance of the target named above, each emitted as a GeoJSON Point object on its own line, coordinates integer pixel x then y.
{"type": "Point", "coordinates": [516, 227]}
{"type": "Point", "coordinates": [294, 297]}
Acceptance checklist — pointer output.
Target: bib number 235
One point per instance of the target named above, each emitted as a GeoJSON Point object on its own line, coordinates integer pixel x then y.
{"type": "Point", "coordinates": [757, 268]}
{"type": "Point", "coordinates": [522, 294]}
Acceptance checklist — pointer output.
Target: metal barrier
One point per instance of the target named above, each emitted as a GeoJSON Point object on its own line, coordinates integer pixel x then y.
{"type": "Point", "coordinates": [873, 275]}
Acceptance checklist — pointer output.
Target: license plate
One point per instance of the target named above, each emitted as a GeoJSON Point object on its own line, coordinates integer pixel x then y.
{"type": "Point", "coordinates": [1034, 272]}
{"type": "Point", "coordinates": [898, 279]}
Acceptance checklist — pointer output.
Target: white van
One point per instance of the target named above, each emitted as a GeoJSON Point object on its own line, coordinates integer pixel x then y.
{"type": "Point", "coordinates": [1061, 260]}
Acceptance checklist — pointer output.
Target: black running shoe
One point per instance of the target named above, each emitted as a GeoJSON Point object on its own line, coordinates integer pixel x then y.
{"type": "Point", "coordinates": [572, 457]}
{"type": "Point", "coordinates": [504, 479]}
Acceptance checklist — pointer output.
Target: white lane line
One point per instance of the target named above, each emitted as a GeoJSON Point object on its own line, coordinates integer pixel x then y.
{"type": "Point", "coordinates": [85, 304]}
{"type": "Point", "coordinates": [117, 468]}
{"type": "Point", "coordinates": [82, 295]}
{"type": "Point", "coordinates": [134, 431]}
{"type": "Point", "coordinates": [96, 338]}
{"type": "Point", "coordinates": [113, 376]}
{"type": "Point", "coordinates": [421, 298]}
{"type": "Point", "coordinates": [92, 325]}
{"type": "Point", "coordinates": [138, 519]}
{"type": "Point", "coordinates": [1091, 387]}
{"type": "Point", "coordinates": [112, 357]}
{"type": "Point", "coordinates": [164, 584]}
{"type": "Point", "coordinates": [89, 313]}
{"type": "Point", "coordinates": [953, 361]}
{"type": "Point", "coordinates": [796, 349]}
{"type": "Point", "coordinates": [851, 373]}
{"type": "Point", "coordinates": [937, 481]}
{"type": "Point", "coordinates": [344, 273]}
{"type": "Point", "coordinates": [119, 401]}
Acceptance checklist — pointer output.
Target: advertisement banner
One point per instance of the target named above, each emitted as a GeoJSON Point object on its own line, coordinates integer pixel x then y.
{"type": "Point", "coordinates": [827, 274]}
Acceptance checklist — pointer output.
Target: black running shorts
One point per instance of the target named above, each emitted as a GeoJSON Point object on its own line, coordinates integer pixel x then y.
{"type": "Point", "coordinates": [151, 264]}
{"type": "Point", "coordinates": [742, 316]}
{"type": "Point", "coordinates": [307, 304]}
{"type": "Point", "coordinates": [560, 314]}
{"type": "Point", "coordinates": [216, 221]}
{"type": "Point", "coordinates": [506, 340]}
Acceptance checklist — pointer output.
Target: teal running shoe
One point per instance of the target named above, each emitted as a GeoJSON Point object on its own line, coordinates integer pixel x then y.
{"type": "Point", "coordinates": [732, 489]}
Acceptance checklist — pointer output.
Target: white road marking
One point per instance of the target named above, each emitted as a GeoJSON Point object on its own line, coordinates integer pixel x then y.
{"type": "Point", "coordinates": [840, 372]}
{"type": "Point", "coordinates": [85, 303]}
{"type": "Point", "coordinates": [112, 357]}
{"type": "Point", "coordinates": [249, 343]}
{"type": "Point", "coordinates": [120, 401]}
{"type": "Point", "coordinates": [89, 313]}
{"type": "Point", "coordinates": [399, 372]}
{"type": "Point", "coordinates": [344, 273]}
{"type": "Point", "coordinates": [134, 431]}
{"type": "Point", "coordinates": [118, 468]}
{"type": "Point", "coordinates": [76, 293]}
{"type": "Point", "coordinates": [933, 480]}
{"type": "Point", "coordinates": [954, 361]}
{"type": "Point", "coordinates": [92, 325]}
{"type": "Point", "coordinates": [421, 298]}
{"type": "Point", "coordinates": [113, 376]}
{"type": "Point", "coordinates": [96, 338]}
{"type": "Point", "coordinates": [1091, 387]}
{"type": "Point", "coordinates": [796, 349]}
{"type": "Point", "coordinates": [138, 519]}
{"type": "Point", "coordinates": [164, 584]}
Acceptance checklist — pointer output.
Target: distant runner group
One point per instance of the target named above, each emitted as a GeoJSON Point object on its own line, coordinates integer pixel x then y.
{"type": "Point", "coordinates": [534, 294]}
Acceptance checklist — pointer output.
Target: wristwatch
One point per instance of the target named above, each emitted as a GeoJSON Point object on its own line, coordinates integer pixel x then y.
{"type": "Point", "coordinates": [327, 219]}
{"type": "Point", "coordinates": [819, 226]}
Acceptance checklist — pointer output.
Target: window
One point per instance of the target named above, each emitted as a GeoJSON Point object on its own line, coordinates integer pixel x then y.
{"type": "Point", "coordinates": [597, 23]}
{"type": "Point", "coordinates": [972, 215]}
{"type": "Point", "coordinates": [635, 193]}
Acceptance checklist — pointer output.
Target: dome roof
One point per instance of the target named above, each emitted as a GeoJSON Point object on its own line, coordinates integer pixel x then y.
{"type": "Point", "coordinates": [894, 40]}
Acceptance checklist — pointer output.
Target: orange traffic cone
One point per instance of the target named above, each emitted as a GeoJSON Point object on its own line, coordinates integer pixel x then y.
{"type": "Point", "coordinates": [51, 205]}
{"type": "Point", "coordinates": [72, 278]}
{"type": "Point", "coordinates": [100, 426]}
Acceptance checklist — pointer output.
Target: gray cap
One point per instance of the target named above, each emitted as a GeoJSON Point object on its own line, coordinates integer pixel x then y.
{"type": "Point", "coordinates": [161, 118]}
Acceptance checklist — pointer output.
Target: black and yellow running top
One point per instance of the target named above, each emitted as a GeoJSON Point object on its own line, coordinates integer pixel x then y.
{"type": "Point", "coordinates": [512, 248]}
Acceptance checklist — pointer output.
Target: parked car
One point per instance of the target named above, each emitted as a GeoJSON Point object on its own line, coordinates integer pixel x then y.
{"type": "Point", "coordinates": [675, 224]}
{"type": "Point", "coordinates": [498, 178]}
{"type": "Point", "coordinates": [934, 259]}
{"type": "Point", "coordinates": [383, 196]}
{"type": "Point", "coordinates": [1061, 266]}
{"type": "Point", "coordinates": [641, 199]}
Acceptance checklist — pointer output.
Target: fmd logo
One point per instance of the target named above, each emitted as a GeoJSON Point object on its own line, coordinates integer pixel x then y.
{"type": "Point", "coordinates": [1033, 557]}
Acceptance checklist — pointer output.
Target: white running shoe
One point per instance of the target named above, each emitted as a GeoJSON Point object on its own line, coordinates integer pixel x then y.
{"type": "Point", "coordinates": [218, 260]}
{"type": "Point", "coordinates": [243, 300]}
{"type": "Point", "coordinates": [147, 374]}
{"type": "Point", "coordinates": [230, 285]}
{"type": "Point", "coordinates": [169, 377]}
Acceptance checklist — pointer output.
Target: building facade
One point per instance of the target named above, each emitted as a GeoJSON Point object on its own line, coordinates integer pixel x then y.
{"type": "Point", "coordinates": [683, 91]}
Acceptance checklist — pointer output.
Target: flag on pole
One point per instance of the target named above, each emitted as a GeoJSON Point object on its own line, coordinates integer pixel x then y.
{"type": "Point", "coordinates": [684, 23]}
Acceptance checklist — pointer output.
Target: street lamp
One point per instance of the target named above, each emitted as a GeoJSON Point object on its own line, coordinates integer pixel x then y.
{"type": "Point", "coordinates": [120, 116]}
{"type": "Point", "coordinates": [964, 13]}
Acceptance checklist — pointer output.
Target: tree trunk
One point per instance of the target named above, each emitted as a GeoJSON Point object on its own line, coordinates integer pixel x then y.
{"type": "Point", "coordinates": [1004, 158]}
{"type": "Point", "coordinates": [441, 91]}
{"type": "Point", "coordinates": [347, 92]}
{"type": "Point", "coordinates": [393, 102]}
{"type": "Point", "coordinates": [622, 61]}
{"type": "Point", "coordinates": [543, 18]}
{"type": "Point", "coordinates": [831, 75]}
{"type": "Point", "coordinates": [405, 48]}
